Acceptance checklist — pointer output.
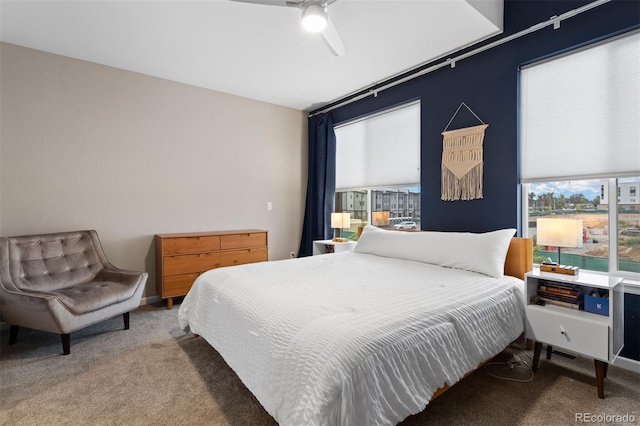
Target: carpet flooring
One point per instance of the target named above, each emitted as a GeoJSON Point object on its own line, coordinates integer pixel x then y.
{"type": "Point", "coordinates": [154, 374]}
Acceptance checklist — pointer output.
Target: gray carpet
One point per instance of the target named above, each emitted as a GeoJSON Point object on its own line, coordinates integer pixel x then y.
{"type": "Point", "coordinates": [154, 374]}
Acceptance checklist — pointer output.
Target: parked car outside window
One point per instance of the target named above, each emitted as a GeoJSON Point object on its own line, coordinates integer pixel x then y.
{"type": "Point", "coordinates": [405, 225]}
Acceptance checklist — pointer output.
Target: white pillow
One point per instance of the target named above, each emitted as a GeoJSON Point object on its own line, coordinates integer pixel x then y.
{"type": "Point", "coordinates": [484, 253]}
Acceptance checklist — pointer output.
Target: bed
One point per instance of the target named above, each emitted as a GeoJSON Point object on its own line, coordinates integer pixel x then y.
{"type": "Point", "coordinates": [367, 337]}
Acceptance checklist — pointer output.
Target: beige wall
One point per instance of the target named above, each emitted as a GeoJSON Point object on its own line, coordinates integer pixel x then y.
{"type": "Point", "coordinates": [85, 146]}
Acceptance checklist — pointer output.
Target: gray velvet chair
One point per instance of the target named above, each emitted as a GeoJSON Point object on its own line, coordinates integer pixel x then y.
{"type": "Point", "coordinates": [63, 282]}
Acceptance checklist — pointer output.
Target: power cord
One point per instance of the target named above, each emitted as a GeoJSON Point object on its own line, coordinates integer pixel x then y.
{"type": "Point", "coordinates": [512, 364]}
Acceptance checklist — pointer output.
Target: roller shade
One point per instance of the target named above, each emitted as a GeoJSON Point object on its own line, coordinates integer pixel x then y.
{"type": "Point", "coordinates": [380, 150]}
{"type": "Point", "coordinates": [580, 113]}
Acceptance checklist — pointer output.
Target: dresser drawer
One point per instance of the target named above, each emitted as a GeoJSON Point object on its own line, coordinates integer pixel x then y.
{"type": "Point", "coordinates": [568, 332]}
{"type": "Point", "coordinates": [178, 285]}
{"type": "Point", "coordinates": [189, 263]}
{"type": "Point", "coordinates": [238, 257]}
{"type": "Point", "coordinates": [185, 245]}
{"type": "Point", "coordinates": [252, 239]}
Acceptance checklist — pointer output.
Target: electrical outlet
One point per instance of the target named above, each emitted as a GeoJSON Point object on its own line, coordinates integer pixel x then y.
{"type": "Point", "coordinates": [292, 255]}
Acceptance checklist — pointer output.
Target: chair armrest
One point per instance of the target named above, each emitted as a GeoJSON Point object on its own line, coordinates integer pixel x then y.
{"type": "Point", "coordinates": [28, 309]}
{"type": "Point", "coordinates": [23, 297]}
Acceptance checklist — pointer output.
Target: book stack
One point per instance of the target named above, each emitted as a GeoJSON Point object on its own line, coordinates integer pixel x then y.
{"type": "Point", "coordinates": [561, 294]}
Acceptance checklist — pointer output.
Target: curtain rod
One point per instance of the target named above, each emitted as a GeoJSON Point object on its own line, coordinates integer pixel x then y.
{"type": "Point", "coordinates": [554, 20]}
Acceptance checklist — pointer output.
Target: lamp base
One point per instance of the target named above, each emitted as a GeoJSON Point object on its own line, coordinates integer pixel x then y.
{"type": "Point", "coordinates": [339, 240]}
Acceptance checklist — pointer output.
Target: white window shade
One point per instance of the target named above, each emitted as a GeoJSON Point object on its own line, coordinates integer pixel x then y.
{"type": "Point", "coordinates": [381, 150]}
{"type": "Point", "coordinates": [580, 113]}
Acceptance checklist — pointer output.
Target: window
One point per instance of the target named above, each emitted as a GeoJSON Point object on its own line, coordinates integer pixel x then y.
{"type": "Point", "coordinates": [587, 201]}
{"type": "Point", "coordinates": [580, 147]}
{"type": "Point", "coordinates": [378, 168]}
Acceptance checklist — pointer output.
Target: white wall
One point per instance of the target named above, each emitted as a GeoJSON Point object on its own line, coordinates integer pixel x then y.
{"type": "Point", "coordinates": [85, 146]}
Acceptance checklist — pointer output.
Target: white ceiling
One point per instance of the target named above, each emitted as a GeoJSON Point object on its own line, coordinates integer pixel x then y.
{"type": "Point", "coordinates": [252, 50]}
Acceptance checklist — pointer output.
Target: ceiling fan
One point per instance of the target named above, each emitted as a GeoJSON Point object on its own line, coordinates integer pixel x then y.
{"type": "Point", "coordinates": [315, 18]}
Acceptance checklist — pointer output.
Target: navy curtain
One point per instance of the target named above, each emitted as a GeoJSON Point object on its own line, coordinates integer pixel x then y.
{"type": "Point", "coordinates": [321, 183]}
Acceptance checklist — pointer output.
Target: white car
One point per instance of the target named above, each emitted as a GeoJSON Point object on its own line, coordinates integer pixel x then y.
{"type": "Point", "coordinates": [405, 225]}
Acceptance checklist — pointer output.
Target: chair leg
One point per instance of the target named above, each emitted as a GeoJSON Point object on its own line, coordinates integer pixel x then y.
{"type": "Point", "coordinates": [13, 334]}
{"type": "Point", "coordinates": [549, 351]}
{"type": "Point", "coordinates": [66, 344]}
{"type": "Point", "coordinates": [125, 316]}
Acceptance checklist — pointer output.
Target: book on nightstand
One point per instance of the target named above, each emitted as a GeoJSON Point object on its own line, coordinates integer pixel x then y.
{"type": "Point", "coordinates": [561, 294]}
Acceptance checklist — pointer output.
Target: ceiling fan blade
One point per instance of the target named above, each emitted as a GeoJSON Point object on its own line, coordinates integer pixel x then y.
{"type": "Point", "coordinates": [266, 2]}
{"type": "Point", "coordinates": [333, 39]}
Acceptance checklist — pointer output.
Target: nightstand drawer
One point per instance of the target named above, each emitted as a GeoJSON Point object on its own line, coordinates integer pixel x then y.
{"type": "Point", "coordinates": [568, 332]}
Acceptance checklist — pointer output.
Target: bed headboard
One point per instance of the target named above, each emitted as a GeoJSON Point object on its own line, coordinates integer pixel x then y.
{"type": "Point", "coordinates": [519, 257]}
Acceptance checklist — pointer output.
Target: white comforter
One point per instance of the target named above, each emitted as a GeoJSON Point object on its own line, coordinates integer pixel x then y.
{"type": "Point", "coordinates": [351, 338]}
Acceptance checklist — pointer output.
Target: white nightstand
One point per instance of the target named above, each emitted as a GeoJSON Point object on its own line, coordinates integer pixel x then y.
{"type": "Point", "coordinates": [328, 246]}
{"type": "Point", "coordinates": [598, 336]}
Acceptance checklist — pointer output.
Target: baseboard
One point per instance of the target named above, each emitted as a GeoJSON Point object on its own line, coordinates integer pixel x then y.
{"type": "Point", "coordinates": [151, 299]}
{"type": "Point", "coordinates": [144, 301]}
{"type": "Point", "coordinates": [627, 364]}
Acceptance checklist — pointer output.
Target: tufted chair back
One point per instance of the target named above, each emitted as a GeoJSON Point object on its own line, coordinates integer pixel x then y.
{"type": "Point", "coordinates": [44, 263]}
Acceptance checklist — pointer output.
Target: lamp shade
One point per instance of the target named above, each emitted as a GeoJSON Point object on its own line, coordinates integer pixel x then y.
{"type": "Point", "coordinates": [341, 220]}
{"type": "Point", "coordinates": [559, 232]}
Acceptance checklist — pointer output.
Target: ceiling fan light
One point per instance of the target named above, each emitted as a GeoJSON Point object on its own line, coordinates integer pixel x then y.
{"type": "Point", "coordinates": [314, 18]}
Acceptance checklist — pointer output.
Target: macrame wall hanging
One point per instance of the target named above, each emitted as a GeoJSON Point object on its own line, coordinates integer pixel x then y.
{"type": "Point", "coordinates": [462, 163]}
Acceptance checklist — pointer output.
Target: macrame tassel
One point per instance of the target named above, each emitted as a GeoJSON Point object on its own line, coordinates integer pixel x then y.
{"type": "Point", "coordinates": [469, 187]}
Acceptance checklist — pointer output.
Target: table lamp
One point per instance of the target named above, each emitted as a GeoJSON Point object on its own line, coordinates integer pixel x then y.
{"type": "Point", "coordinates": [559, 232]}
{"type": "Point", "coordinates": [340, 221]}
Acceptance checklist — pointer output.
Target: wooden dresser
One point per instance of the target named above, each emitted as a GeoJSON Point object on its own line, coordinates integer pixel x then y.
{"type": "Point", "coordinates": [181, 258]}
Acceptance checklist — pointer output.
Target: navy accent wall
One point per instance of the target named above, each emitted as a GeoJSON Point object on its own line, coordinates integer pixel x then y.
{"type": "Point", "coordinates": [488, 83]}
